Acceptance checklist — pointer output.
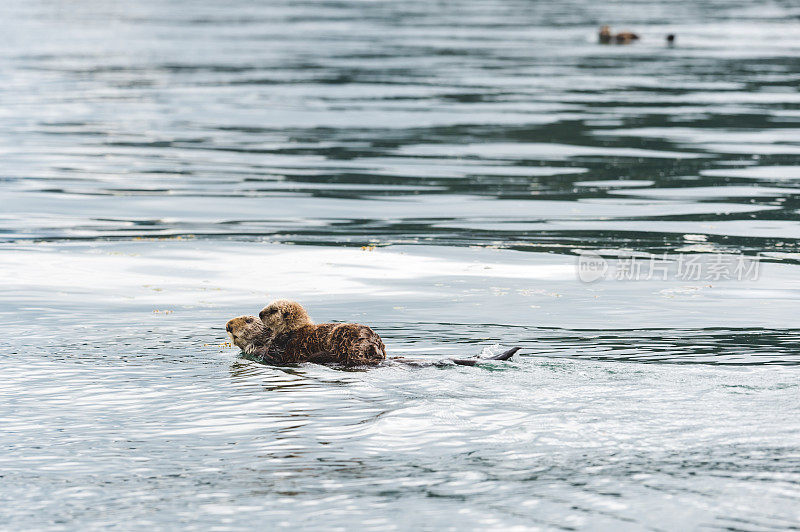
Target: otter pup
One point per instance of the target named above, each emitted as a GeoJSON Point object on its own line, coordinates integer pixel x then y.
{"type": "Point", "coordinates": [605, 36]}
{"type": "Point", "coordinates": [295, 338]}
{"type": "Point", "coordinates": [249, 334]}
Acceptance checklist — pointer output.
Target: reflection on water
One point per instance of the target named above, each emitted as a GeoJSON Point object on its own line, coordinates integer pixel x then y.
{"type": "Point", "coordinates": [162, 160]}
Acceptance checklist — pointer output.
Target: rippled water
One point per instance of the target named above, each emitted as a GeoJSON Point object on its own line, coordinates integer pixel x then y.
{"type": "Point", "coordinates": [167, 165]}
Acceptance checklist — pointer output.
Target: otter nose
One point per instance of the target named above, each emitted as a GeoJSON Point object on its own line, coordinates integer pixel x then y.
{"type": "Point", "coordinates": [228, 327]}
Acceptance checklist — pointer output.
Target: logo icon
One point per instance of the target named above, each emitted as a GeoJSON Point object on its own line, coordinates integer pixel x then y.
{"type": "Point", "coordinates": [591, 267]}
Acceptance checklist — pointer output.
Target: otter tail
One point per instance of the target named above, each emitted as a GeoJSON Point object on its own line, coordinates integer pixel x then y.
{"type": "Point", "coordinates": [506, 354]}
{"type": "Point", "coordinates": [473, 361]}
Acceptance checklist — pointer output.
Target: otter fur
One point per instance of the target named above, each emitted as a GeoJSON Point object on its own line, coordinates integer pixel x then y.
{"type": "Point", "coordinates": [295, 338]}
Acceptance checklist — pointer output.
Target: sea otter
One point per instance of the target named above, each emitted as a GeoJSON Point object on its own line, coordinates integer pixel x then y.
{"type": "Point", "coordinates": [249, 334]}
{"type": "Point", "coordinates": [295, 338]}
{"type": "Point", "coordinates": [285, 334]}
{"type": "Point", "coordinates": [605, 36]}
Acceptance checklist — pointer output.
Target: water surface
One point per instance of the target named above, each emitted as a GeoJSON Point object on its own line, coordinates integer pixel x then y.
{"type": "Point", "coordinates": [168, 165]}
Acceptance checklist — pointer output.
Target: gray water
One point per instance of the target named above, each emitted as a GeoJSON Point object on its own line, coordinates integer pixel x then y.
{"type": "Point", "coordinates": [433, 169]}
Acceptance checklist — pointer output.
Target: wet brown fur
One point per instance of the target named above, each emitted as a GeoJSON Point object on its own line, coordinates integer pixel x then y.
{"type": "Point", "coordinates": [295, 338]}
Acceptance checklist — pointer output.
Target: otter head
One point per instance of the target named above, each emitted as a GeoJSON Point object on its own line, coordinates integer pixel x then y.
{"type": "Point", "coordinates": [283, 315]}
{"type": "Point", "coordinates": [247, 333]}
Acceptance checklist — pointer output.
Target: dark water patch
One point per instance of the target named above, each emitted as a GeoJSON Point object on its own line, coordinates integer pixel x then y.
{"type": "Point", "coordinates": [722, 347]}
{"type": "Point", "coordinates": [156, 154]}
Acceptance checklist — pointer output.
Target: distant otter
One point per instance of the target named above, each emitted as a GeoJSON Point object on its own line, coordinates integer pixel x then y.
{"type": "Point", "coordinates": [286, 335]}
{"type": "Point", "coordinates": [606, 37]}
